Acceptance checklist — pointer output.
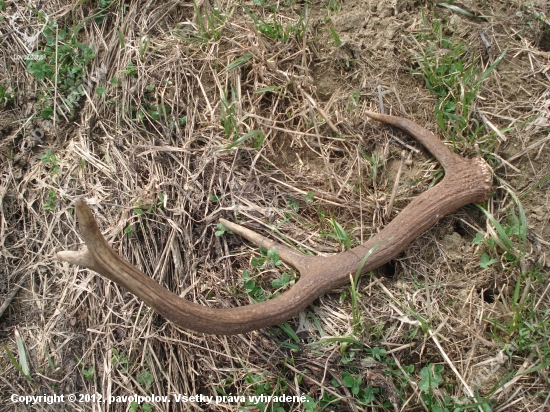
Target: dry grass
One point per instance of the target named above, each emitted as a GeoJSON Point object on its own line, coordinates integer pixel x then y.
{"type": "Point", "coordinates": [152, 156]}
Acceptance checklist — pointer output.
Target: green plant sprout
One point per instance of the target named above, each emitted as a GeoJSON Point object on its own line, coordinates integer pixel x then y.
{"type": "Point", "coordinates": [209, 26]}
{"type": "Point", "coordinates": [51, 200]}
{"type": "Point", "coordinates": [275, 30]}
{"type": "Point", "coordinates": [50, 159]}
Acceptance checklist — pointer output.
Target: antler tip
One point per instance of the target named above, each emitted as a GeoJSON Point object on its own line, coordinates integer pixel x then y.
{"type": "Point", "coordinates": [79, 258]}
{"type": "Point", "coordinates": [80, 202]}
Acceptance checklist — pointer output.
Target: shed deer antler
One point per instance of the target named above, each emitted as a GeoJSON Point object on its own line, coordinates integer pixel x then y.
{"type": "Point", "coordinates": [465, 181]}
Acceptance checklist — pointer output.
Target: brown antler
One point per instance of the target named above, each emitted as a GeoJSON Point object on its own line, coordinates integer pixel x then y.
{"type": "Point", "coordinates": [465, 181]}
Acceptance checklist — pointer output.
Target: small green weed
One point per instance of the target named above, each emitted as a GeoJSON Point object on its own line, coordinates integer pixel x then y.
{"type": "Point", "coordinates": [153, 206]}
{"type": "Point", "coordinates": [16, 364]}
{"type": "Point", "coordinates": [50, 159]}
{"type": "Point", "coordinates": [104, 8]}
{"type": "Point", "coordinates": [268, 258]}
{"type": "Point", "coordinates": [291, 334]}
{"type": "Point", "coordinates": [101, 91]}
{"type": "Point", "coordinates": [63, 61]}
{"type": "Point", "coordinates": [134, 407]}
{"type": "Point", "coordinates": [138, 210]}
{"type": "Point", "coordinates": [286, 280]}
{"type": "Point", "coordinates": [49, 358]}
{"type": "Point", "coordinates": [334, 5]}
{"type": "Point", "coordinates": [158, 111]}
{"type": "Point", "coordinates": [222, 230]}
{"type": "Point", "coordinates": [355, 309]}
{"type": "Point", "coordinates": [353, 382]}
{"type": "Point", "coordinates": [120, 361]}
{"type": "Point", "coordinates": [89, 374]}
{"type": "Point", "coordinates": [144, 43]}
{"type": "Point", "coordinates": [255, 136]}
{"type": "Point", "coordinates": [376, 162]}
{"type": "Point", "coordinates": [260, 386]}
{"type": "Point", "coordinates": [354, 100]}
{"type": "Point", "coordinates": [352, 354]}
{"type": "Point", "coordinates": [230, 125]}
{"type": "Point", "coordinates": [431, 379]}
{"type": "Point", "coordinates": [338, 233]}
{"type": "Point", "coordinates": [358, 327]}
{"type": "Point", "coordinates": [130, 70]}
{"type": "Point", "coordinates": [51, 200]}
{"type": "Point", "coordinates": [145, 378]}
{"type": "Point", "coordinates": [293, 206]}
{"type": "Point", "coordinates": [509, 241]}
{"type": "Point", "coordinates": [277, 31]}
{"type": "Point", "coordinates": [251, 288]}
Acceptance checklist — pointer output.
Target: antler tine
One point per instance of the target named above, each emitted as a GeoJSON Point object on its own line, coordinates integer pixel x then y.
{"type": "Point", "coordinates": [465, 181]}
{"type": "Point", "coordinates": [435, 146]}
{"type": "Point", "coordinates": [288, 255]}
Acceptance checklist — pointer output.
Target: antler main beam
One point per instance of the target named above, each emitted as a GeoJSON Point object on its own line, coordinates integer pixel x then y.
{"type": "Point", "coordinates": [466, 181]}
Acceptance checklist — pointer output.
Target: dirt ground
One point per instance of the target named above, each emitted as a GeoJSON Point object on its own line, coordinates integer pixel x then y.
{"type": "Point", "coordinates": [181, 113]}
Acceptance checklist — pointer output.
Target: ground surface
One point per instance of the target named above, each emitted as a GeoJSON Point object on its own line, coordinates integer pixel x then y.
{"type": "Point", "coordinates": [170, 116]}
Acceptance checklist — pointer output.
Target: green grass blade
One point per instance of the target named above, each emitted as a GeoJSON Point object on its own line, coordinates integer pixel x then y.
{"type": "Point", "coordinates": [244, 138]}
{"type": "Point", "coordinates": [344, 339]}
{"type": "Point", "coordinates": [503, 240]}
{"type": "Point", "coordinates": [523, 227]}
{"type": "Point", "coordinates": [16, 364]}
{"type": "Point", "coordinates": [340, 234]}
{"type": "Point", "coordinates": [492, 67]}
{"type": "Point", "coordinates": [241, 61]}
{"type": "Point", "coordinates": [267, 89]}
{"type": "Point", "coordinates": [542, 366]}
{"type": "Point", "coordinates": [318, 325]}
{"type": "Point", "coordinates": [120, 39]}
{"type": "Point", "coordinates": [457, 9]}
{"type": "Point", "coordinates": [368, 255]}
{"type": "Point", "coordinates": [200, 21]}
{"type": "Point", "coordinates": [335, 37]}
{"type": "Point", "coordinates": [49, 357]}
{"type": "Point", "coordinates": [22, 353]}
{"type": "Point", "coordinates": [542, 182]}
{"type": "Point", "coordinates": [289, 331]}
